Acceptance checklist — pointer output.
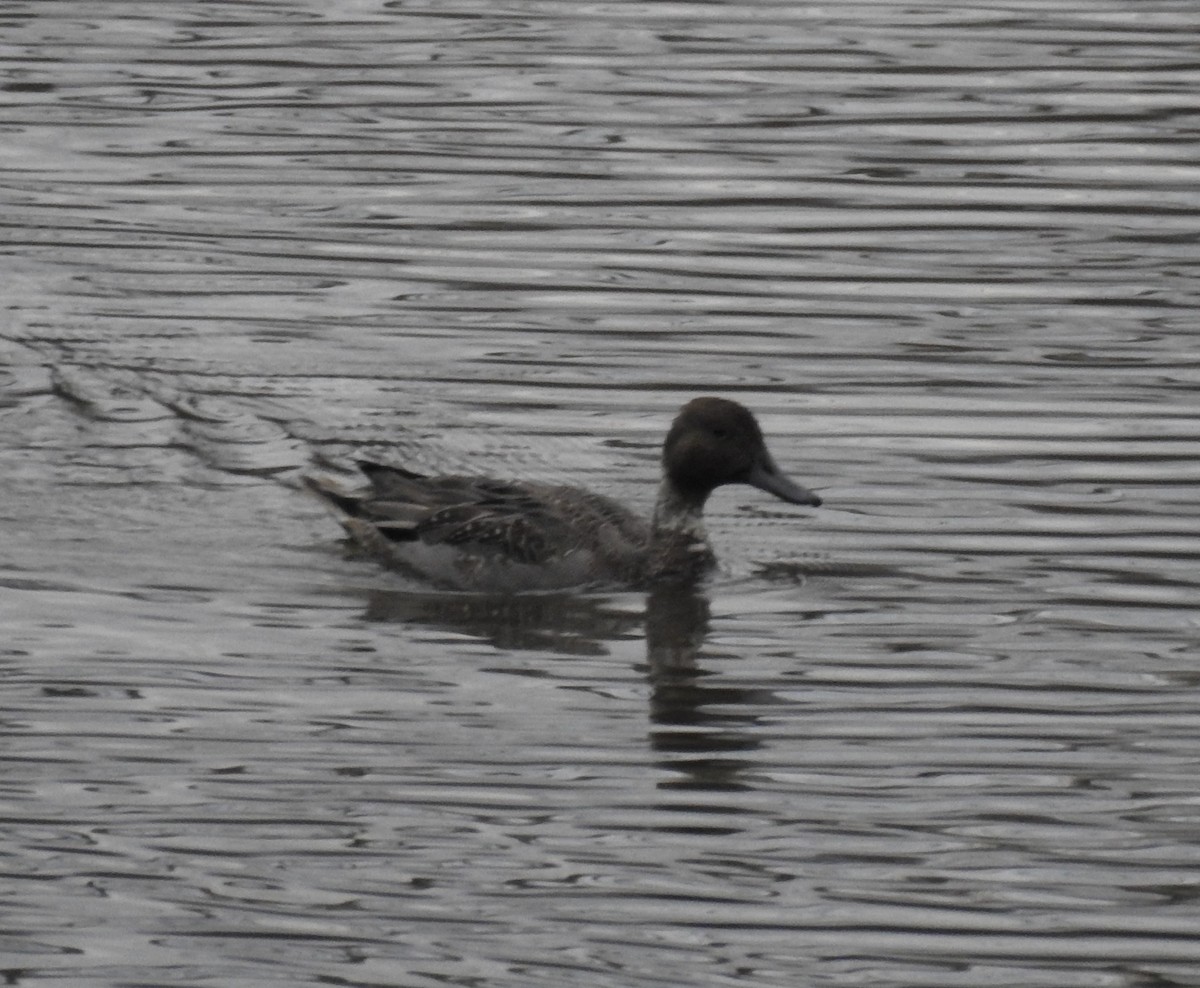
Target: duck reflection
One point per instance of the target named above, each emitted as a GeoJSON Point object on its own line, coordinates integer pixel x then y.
{"type": "Point", "coordinates": [675, 621]}
{"type": "Point", "coordinates": [574, 624]}
{"type": "Point", "coordinates": [695, 724]}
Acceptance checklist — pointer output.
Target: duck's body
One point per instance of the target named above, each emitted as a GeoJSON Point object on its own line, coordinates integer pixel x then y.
{"type": "Point", "coordinates": [483, 534]}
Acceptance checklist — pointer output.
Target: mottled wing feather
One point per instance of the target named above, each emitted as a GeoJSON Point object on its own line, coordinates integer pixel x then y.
{"type": "Point", "coordinates": [390, 483]}
{"type": "Point", "coordinates": [595, 511]}
{"type": "Point", "coordinates": [518, 522]}
{"type": "Point", "coordinates": [519, 533]}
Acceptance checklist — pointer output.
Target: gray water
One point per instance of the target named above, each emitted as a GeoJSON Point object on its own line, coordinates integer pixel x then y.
{"type": "Point", "coordinates": [943, 731]}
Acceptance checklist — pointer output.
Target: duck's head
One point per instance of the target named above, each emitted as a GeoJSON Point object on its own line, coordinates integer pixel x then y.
{"type": "Point", "coordinates": [714, 441]}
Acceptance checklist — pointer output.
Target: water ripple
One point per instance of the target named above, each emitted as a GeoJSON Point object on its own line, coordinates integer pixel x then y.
{"type": "Point", "coordinates": [939, 732]}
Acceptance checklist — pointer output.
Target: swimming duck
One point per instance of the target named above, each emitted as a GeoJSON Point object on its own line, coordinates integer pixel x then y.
{"type": "Point", "coordinates": [478, 533]}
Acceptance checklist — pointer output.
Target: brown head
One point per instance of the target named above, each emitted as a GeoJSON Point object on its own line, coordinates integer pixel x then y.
{"type": "Point", "coordinates": [714, 441]}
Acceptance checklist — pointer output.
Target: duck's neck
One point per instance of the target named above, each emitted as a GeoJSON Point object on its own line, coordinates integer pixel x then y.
{"type": "Point", "coordinates": [676, 514]}
{"type": "Point", "coordinates": [679, 551]}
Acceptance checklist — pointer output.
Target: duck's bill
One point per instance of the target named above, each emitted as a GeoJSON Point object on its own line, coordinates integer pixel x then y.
{"type": "Point", "coordinates": [765, 475]}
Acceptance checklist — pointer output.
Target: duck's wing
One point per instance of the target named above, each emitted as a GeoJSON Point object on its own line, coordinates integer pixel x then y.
{"type": "Point", "coordinates": [485, 518]}
{"type": "Point", "coordinates": [395, 484]}
{"type": "Point", "coordinates": [517, 529]}
{"type": "Point", "coordinates": [479, 516]}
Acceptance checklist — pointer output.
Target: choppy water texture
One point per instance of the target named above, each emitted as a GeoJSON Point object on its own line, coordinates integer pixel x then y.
{"type": "Point", "coordinates": [942, 731]}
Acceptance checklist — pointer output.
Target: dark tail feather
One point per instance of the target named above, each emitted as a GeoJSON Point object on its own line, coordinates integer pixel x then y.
{"type": "Point", "coordinates": [373, 470]}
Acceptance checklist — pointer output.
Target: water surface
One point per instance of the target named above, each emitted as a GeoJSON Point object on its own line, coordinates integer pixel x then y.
{"type": "Point", "coordinates": [941, 731]}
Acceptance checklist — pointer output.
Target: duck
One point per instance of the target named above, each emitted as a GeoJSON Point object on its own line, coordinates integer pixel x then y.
{"type": "Point", "coordinates": [503, 536]}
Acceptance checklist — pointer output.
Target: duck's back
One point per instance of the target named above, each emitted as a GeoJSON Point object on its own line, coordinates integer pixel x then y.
{"type": "Point", "coordinates": [485, 534]}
